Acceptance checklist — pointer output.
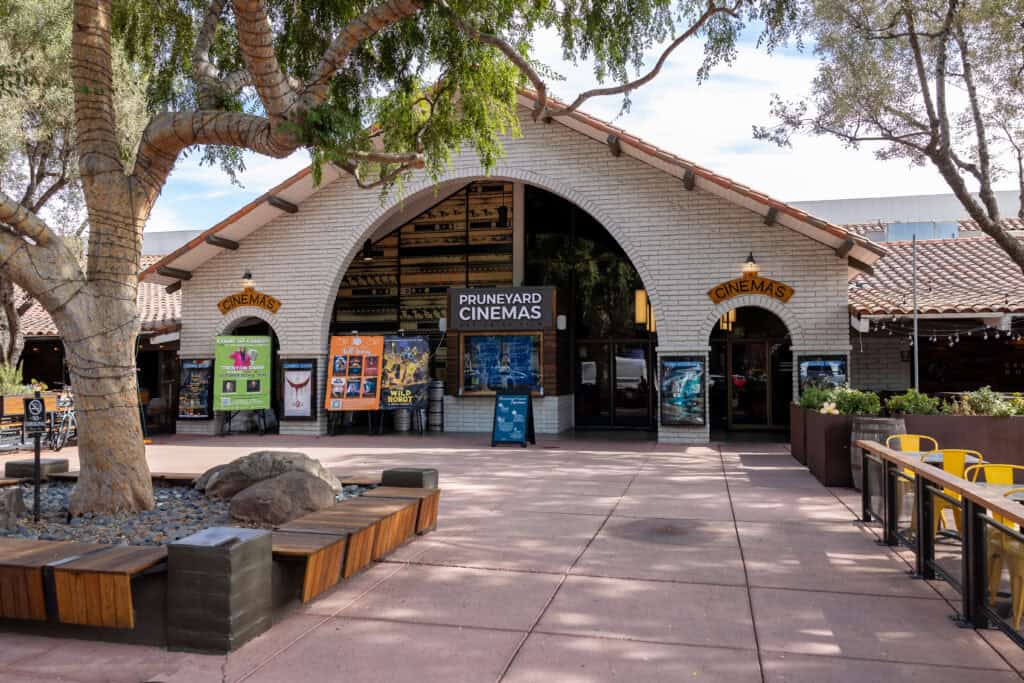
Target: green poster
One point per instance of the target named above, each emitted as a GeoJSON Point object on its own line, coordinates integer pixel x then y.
{"type": "Point", "coordinates": [241, 376]}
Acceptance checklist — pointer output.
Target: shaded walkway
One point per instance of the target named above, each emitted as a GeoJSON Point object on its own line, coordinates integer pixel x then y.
{"type": "Point", "coordinates": [588, 561]}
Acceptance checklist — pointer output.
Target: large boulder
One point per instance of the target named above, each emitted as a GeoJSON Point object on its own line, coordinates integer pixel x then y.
{"type": "Point", "coordinates": [243, 472]}
{"type": "Point", "coordinates": [203, 479]}
{"type": "Point", "coordinates": [281, 498]}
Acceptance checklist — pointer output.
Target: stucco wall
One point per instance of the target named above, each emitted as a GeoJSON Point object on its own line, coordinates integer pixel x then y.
{"type": "Point", "coordinates": [681, 242]}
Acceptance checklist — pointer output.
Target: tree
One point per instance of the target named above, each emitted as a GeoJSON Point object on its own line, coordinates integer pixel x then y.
{"type": "Point", "coordinates": [933, 81]}
{"type": "Point", "coordinates": [379, 88]}
{"type": "Point", "coordinates": [38, 160]}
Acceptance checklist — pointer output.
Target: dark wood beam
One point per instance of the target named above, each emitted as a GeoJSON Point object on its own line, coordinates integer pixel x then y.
{"type": "Point", "coordinates": [222, 242]}
{"type": "Point", "coordinates": [845, 248]}
{"type": "Point", "coordinates": [614, 145]}
{"type": "Point", "coordinates": [283, 204]}
{"type": "Point", "coordinates": [771, 216]}
{"type": "Point", "coordinates": [861, 266]}
{"type": "Point", "coordinates": [689, 179]}
{"type": "Point", "coordinates": [172, 288]}
{"type": "Point", "coordinates": [176, 273]}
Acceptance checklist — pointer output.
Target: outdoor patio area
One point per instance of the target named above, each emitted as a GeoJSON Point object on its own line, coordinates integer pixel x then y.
{"type": "Point", "coordinates": [586, 560]}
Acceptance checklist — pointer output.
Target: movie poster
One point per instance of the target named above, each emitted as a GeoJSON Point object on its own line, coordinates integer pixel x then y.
{"type": "Point", "coordinates": [241, 374]}
{"type": "Point", "coordinates": [353, 373]}
{"type": "Point", "coordinates": [194, 389]}
{"type": "Point", "coordinates": [299, 388]}
{"type": "Point", "coordinates": [682, 390]}
{"type": "Point", "coordinates": [406, 373]}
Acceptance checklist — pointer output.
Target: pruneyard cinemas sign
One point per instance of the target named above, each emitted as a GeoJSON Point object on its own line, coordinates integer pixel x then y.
{"type": "Point", "coordinates": [248, 297]}
{"type": "Point", "coordinates": [751, 285]}
{"type": "Point", "coordinates": [501, 308]}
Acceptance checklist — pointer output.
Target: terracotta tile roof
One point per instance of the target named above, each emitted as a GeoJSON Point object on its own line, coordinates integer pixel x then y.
{"type": "Point", "coordinates": [1012, 224]}
{"type": "Point", "coordinates": [964, 275]}
{"type": "Point", "coordinates": [158, 310]}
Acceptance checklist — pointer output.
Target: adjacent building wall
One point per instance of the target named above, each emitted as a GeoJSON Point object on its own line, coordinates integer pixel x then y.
{"type": "Point", "coordinates": [681, 242]}
{"type": "Point", "coordinates": [877, 363]}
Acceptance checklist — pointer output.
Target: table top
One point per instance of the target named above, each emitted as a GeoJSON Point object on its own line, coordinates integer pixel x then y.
{"type": "Point", "coordinates": [1000, 489]}
{"type": "Point", "coordinates": [936, 457]}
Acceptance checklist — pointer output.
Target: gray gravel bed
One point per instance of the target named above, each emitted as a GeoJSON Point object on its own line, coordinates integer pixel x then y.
{"type": "Point", "coordinates": [179, 512]}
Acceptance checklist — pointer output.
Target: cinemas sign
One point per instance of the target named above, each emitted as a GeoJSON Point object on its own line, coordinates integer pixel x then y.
{"type": "Point", "coordinates": [501, 308]}
{"type": "Point", "coordinates": [751, 285]}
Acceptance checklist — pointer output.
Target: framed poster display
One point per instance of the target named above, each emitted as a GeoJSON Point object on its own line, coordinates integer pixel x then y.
{"type": "Point", "coordinates": [195, 389]}
{"type": "Point", "coordinates": [298, 383]}
{"type": "Point", "coordinates": [682, 390]}
{"type": "Point", "coordinates": [827, 371]}
{"type": "Point", "coordinates": [241, 373]}
{"type": "Point", "coordinates": [353, 373]}
{"type": "Point", "coordinates": [405, 373]}
{"type": "Point", "coordinates": [495, 363]}
{"type": "Point", "coordinates": [513, 420]}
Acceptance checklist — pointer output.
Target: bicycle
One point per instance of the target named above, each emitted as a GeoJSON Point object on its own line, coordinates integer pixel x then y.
{"type": "Point", "coordinates": [66, 427]}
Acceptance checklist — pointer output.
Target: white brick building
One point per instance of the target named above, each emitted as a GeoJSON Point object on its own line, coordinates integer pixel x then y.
{"type": "Point", "coordinates": [683, 228]}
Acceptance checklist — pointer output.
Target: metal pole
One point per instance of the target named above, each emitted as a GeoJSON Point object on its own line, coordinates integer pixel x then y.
{"type": "Point", "coordinates": [36, 474]}
{"type": "Point", "coordinates": [913, 281]}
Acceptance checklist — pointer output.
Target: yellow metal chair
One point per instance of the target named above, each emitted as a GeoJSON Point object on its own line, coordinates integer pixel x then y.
{"type": "Point", "coordinates": [997, 474]}
{"type": "Point", "coordinates": [954, 461]}
{"type": "Point", "coordinates": [911, 442]}
{"type": "Point", "coordinates": [1002, 548]}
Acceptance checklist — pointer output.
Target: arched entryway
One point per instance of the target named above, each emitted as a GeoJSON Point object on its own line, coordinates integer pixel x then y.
{"type": "Point", "coordinates": [751, 371]}
{"type": "Point", "coordinates": [248, 421]}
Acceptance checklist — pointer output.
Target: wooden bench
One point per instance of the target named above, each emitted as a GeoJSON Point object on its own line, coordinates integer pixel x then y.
{"type": "Point", "coordinates": [10, 481]}
{"type": "Point", "coordinates": [179, 478]}
{"type": "Point", "coordinates": [22, 592]}
{"type": "Point", "coordinates": [322, 553]}
{"type": "Point", "coordinates": [397, 520]}
{"type": "Point", "coordinates": [360, 535]}
{"type": "Point", "coordinates": [95, 589]}
{"type": "Point", "coordinates": [359, 480]}
{"type": "Point", "coordinates": [427, 500]}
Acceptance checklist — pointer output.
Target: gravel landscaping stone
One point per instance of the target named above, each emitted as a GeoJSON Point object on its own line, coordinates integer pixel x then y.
{"type": "Point", "coordinates": [179, 512]}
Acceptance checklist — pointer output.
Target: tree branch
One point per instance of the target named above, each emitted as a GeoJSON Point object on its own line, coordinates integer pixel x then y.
{"type": "Point", "coordinates": [356, 32]}
{"type": "Point", "coordinates": [206, 75]}
{"type": "Point", "coordinates": [711, 11]}
{"type": "Point", "coordinates": [984, 174]}
{"type": "Point", "coordinates": [384, 178]}
{"type": "Point", "coordinates": [92, 75]}
{"type": "Point", "coordinates": [23, 221]}
{"type": "Point", "coordinates": [256, 40]}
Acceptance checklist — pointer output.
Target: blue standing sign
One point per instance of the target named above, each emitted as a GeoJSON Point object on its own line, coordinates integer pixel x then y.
{"type": "Point", "coordinates": [513, 420]}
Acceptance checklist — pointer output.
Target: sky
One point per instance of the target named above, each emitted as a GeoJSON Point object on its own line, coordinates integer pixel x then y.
{"type": "Point", "coordinates": [707, 123]}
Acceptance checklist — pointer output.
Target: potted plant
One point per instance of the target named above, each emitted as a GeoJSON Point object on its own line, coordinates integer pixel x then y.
{"type": "Point", "coordinates": [812, 399]}
{"type": "Point", "coordinates": [828, 438]}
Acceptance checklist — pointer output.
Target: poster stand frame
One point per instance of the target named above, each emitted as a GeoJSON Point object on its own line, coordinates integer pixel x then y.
{"type": "Point", "coordinates": [529, 433]}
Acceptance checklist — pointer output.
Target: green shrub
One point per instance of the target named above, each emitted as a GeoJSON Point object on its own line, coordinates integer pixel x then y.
{"type": "Point", "coordinates": [1017, 403]}
{"type": "Point", "coordinates": [913, 402]}
{"type": "Point", "coordinates": [814, 397]}
{"type": "Point", "coordinates": [854, 402]}
{"type": "Point", "coordinates": [983, 402]}
{"type": "Point", "coordinates": [11, 383]}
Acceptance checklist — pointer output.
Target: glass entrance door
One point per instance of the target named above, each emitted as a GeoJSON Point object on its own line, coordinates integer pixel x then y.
{"type": "Point", "coordinates": [613, 384]}
{"type": "Point", "coordinates": [748, 384]}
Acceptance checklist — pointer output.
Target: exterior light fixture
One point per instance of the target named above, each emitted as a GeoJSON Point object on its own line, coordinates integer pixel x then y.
{"type": "Point", "coordinates": [750, 267]}
{"type": "Point", "coordinates": [247, 281]}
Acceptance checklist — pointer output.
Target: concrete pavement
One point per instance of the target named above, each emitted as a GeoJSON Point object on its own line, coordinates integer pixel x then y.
{"type": "Point", "coordinates": [586, 560]}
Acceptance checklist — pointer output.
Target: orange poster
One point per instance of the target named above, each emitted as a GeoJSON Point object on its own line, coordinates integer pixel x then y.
{"type": "Point", "coordinates": [353, 373]}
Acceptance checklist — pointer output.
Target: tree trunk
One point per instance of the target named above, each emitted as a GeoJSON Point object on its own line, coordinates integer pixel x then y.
{"type": "Point", "coordinates": [100, 331]}
{"type": "Point", "coordinates": [12, 340]}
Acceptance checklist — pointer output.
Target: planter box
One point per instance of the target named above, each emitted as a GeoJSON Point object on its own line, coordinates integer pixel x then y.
{"type": "Point", "coordinates": [827, 443]}
{"type": "Point", "coordinates": [999, 439]}
{"type": "Point", "coordinates": [798, 432]}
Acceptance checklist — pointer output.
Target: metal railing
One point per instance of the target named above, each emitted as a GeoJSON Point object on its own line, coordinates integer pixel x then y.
{"type": "Point", "coordinates": [980, 539]}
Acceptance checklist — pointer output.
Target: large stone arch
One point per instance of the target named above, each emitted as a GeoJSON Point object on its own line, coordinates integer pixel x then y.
{"type": "Point", "coordinates": [796, 333]}
{"type": "Point", "coordinates": [467, 173]}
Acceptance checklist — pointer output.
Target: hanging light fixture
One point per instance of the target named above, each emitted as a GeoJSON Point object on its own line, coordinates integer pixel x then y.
{"type": "Point", "coordinates": [640, 306]}
{"type": "Point", "coordinates": [369, 253]}
{"type": "Point", "coordinates": [750, 267]}
{"type": "Point", "coordinates": [247, 281]}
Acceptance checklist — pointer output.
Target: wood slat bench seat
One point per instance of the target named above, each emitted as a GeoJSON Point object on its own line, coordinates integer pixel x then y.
{"type": "Point", "coordinates": [183, 478]}
{"type": "Point", "coordinates": [10, 481]}
{"type": "Point", "coordinates": [22, 592]}
{"type": "Point", "coordinates": [323, 555]}
{"type": "Point", "coordinates": [359, 546]}
{"type": "Point", "coordinates": [360, 480]}
{"type": "Point", "coordinates": [95, 589]}
{"type": "Point", "coordinates": [428, 500]}
{"type": "Point", "coordinates": [397, 520]}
